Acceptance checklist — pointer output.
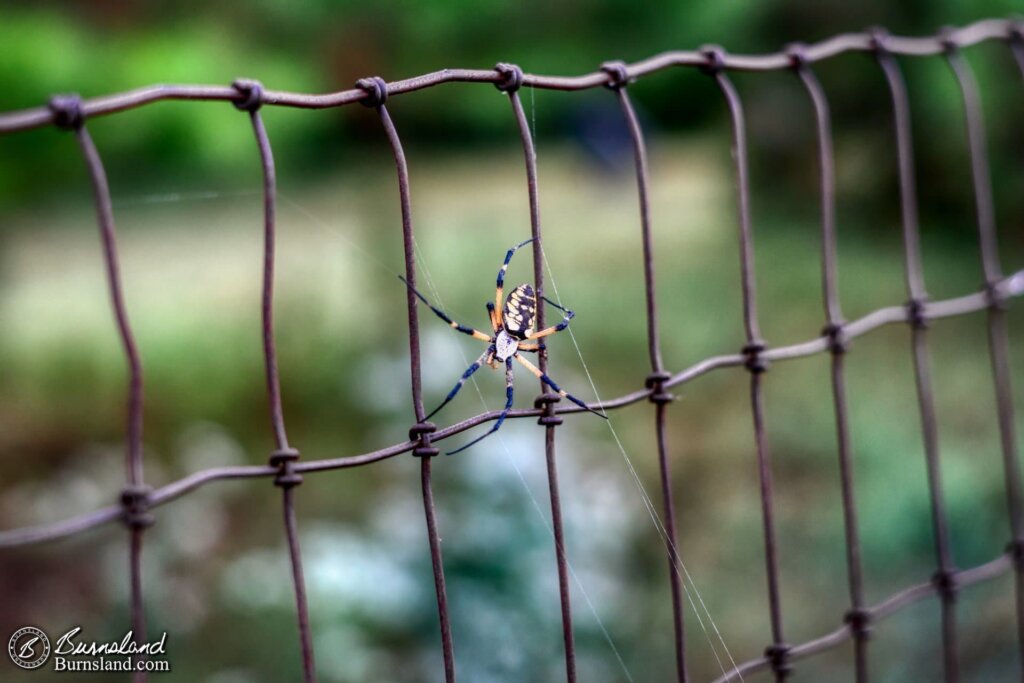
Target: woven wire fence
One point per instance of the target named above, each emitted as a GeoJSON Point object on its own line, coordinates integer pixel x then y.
{"type": "Point", "coordinates": [286, 468]}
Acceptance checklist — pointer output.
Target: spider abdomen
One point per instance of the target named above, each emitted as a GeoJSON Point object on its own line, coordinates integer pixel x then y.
{"type": "Point", "coordinates": [520, 311]}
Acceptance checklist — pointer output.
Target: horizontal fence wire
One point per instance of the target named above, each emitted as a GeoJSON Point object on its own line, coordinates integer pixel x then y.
{"type": "Point", "coordinates": [138, 500]}
{"type": "Point", "coordinates": [989, 29]}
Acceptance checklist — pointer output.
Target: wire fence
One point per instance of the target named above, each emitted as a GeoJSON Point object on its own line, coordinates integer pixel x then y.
{"type": "Point", "coordinates": [138, 500]}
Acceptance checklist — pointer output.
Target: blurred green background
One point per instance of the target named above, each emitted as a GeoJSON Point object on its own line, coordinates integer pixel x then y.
{"type": "Point", "coordinates": [186, 189]}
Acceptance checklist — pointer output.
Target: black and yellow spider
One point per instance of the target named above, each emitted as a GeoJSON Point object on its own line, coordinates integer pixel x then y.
{"type": "Point", "coordinates": [512, 324]}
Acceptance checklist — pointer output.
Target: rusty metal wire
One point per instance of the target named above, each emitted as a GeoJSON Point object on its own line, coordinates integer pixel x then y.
{"type": "Point", "coordinates": [546, 400]}
{"type": "Point", "coordinates": [139, 500]}
{"type": "Point", "coordinates": [284, 456]}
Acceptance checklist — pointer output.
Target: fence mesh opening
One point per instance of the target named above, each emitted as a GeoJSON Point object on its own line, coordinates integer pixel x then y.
{"type": "Point", "coordinates": [140, 503]}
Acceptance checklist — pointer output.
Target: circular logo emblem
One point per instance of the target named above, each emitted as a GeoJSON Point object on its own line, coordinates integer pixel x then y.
{"type": "Point", "coordinates": [29, 647]}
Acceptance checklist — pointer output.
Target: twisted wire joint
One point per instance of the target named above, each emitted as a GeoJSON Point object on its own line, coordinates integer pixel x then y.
{"type": "Point", "coordinates": [376, 89]}
{"type": "Point", "coordinates": [136, 503]}
{"type": "Point", "coordinates": [547, 403]}
{"type": "Point", "coordinates": [421, 432]}
{"type": "Point", "coordinates": [755, 361]}
{"type": "Point", "coordinates": [251, 93]}
{"type": "Point", "coordinates": [511, 77]}
{"type": "Point", "coordinates": [656, 383]}
{"type": "Point", "coordinates": [284, 459]}
{"type": "Point", "coordinates": [67, 111]}
{"type": "Point", "coordinates": [618, 74]}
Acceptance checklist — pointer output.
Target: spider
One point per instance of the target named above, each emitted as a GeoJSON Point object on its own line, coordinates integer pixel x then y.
{"type": "Point", "coordinates": [512, 326]}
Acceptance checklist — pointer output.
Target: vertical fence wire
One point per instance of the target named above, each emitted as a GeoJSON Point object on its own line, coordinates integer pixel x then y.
{"type": "Point", "coordinates": [998, 336]}
{"type": "Point", "coordinates": [777, 652]}
{"type": "Point", "coordinates": [945, 576]}
{"type": "Point", "coordinates": [135, 495]}
{"type": "Point", "coordinates": [377, 94]}
{"type": "Point", "coordinates": [1016, 37]}
{"type": "Point", "coordinates": [510, 84]}
{"type": "Point", "coordinates": [284, 456]}
{"type": "Point", "coordinates": [659, 395]}
{"type": "Point", "coordinates": [857, 616]}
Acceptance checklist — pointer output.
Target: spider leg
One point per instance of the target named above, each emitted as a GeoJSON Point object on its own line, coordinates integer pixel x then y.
{"type": "Point", "coordinates": [554, 328]}
{"type": "Point", "coordinates": [495, 325]}
{"type": "Point", "coordinates": [531, 348]}
{"type": "Point", "coordinates": [558, 306]}
{"type": "Point", "coordinates": [476, 334]}
{"type": "Point", "coordinates": [465, 376]}
{"type": "Point", "coordinates": [547, 380]}
{"type": "Point", "coordinates": [501, 417]}
{"type": "Point", "coordinates": [500, 289]}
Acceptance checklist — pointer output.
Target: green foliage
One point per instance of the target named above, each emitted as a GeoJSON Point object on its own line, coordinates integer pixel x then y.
{"type": "Point", "coordinates": [325, 46]}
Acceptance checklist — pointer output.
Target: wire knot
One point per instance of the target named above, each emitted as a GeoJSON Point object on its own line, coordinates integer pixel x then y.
{"type": "Point", "coordinates": [945, 583]}
{"type": "Point", "coordinates": [251, 94]}
{"type": "Point", "coordinates": [546, 402]}
{"type": "Point", "coordinates": [947, 39]}
{"type": "Point", "coordinates": [67, 111]}
{"type": "Point", "coordinates": [282, 456]}
{"type": "Point", "coordinates": [797, 53]}
{"type": "Point", "coordinates": [511, 77]}
{"type": "Point", "coordinates": [755, 362]}
{"type": "Point", "coordinates": [1015, 549]}
{"type": "Point", "coordinates": [714, 56]}
{"type": "Point", "coordinates": [618, 74]}
{"type": "Point", "coordinates": [376, 89]}
{"type": "Point", "coordinates": [859, 620]}
{"type": "Point", "coordinates": [1015, 31]}
{"type": "Point", "coordinates": [879, 38]}
{"type": "Point", "coordinates": [135, 501]}
{"type": "Point", "coordinates": [421, 432]}
{"type": "Point", "coordinates": [656, 383]}
{"type": "Point", "coordinates": [838, 342]}
{"type": "Point", "coordinates": [778, 657]}
{"type": "Point", "coordinates": [916, 314]}
{"type": "Point", "coordinates": [284, 460]}
{"type": "Point", "coordinates": [994, 297]}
